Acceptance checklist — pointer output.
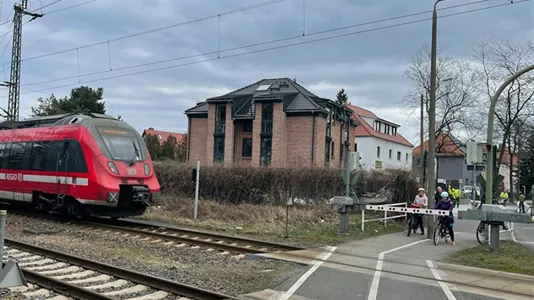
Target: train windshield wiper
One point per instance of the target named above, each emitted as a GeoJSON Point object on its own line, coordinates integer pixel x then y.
{"type": "Point", "coordinates": [136, 153]}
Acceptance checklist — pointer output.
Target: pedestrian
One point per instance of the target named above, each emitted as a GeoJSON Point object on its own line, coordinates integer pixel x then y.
{"type": "Point", "coordinates": [439, 190]}
{"type": "Point", "coordinates": [422, 200]}
{"type": "Point", "coordinates": [521, 203]}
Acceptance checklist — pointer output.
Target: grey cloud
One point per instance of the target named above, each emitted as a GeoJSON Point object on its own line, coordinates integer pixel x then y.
{"type": "Point", "coordinates": [369, 65]}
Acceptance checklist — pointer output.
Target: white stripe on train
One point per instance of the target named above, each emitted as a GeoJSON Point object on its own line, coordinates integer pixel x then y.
{"type": "Point", "coordinates": [27, 197]}
{"type": "Point", "coordinates": [45, 179]}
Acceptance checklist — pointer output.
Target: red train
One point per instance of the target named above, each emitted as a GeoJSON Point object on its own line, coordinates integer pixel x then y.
{"type": "Point", "coordinates": [76, 164]}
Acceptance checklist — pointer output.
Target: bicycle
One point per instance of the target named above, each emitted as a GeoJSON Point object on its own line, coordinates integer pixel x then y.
{"type": "Point", "coordinates": [441, 231]}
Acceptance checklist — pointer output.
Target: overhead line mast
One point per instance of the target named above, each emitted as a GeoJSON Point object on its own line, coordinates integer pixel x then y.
{"type": "Point", "coordinates": [14, 82]}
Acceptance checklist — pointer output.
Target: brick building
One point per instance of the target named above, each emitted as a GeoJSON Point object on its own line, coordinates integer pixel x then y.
{"type": "Point", "coordinates": [274, 122]}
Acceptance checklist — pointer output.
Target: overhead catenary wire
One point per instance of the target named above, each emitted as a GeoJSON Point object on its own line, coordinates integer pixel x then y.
{"type": "Point", "coordinates": [241, 9]}
{"type": "Point", "coordinates": [218, 52]}
{"type": "Point", "coordinates": [47, 13]}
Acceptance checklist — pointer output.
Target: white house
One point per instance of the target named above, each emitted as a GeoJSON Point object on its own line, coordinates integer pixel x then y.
{"type": "Point", "coordinates": [379, 143]}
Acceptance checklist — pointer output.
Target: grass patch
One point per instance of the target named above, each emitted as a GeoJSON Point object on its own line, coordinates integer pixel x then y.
{"type": "Point", "coordinates": [512, 257]}
{"type": "Point", "coordinates": [312, 225]}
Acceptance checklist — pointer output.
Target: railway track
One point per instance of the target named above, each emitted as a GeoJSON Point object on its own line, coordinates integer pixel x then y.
{"type": "Point", "coordinates": [174, 237]}
{"type": "Point", "coordinates": [58, 276]}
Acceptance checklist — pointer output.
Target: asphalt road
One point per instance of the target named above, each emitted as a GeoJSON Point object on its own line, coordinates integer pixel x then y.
{"type": "Point", "coordinates": [331, 282]}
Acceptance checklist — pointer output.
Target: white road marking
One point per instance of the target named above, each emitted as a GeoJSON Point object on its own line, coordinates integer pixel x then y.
{"type": "Point", "coordinates": [443, 285]}
{"type": "Point", "coordinates": [321, 259]}
{"type": "Point", "coordinates": [373, 292]}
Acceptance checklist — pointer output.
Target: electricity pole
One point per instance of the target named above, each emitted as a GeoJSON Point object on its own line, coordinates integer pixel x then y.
{"type": "Point", "coordinates": [432, 115]}
{"type": "Point", "coordinates": [422, 150]}
{"type": "Point", "coordinates": [14, 82]}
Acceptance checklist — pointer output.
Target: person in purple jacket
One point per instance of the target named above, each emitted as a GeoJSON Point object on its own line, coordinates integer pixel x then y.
{"type": "Point", "coordinates": [446, 204]}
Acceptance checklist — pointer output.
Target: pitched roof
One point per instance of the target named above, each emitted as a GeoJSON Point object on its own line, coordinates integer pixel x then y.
{"type": "Point", "coordinates": [294, 96]}
{"type": "Point", "coordinates": [366, 130]}
{"type": "Point", "coordinates": [163, 135]}
{"type": "Point", "coordinates": [446, 145]}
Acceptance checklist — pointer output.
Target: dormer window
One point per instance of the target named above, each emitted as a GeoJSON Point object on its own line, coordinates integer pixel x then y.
{"type": "Point", "coordinates": [263, 87]}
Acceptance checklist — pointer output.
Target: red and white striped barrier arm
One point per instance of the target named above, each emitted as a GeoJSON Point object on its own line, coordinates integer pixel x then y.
{"type": "Point", "coordinates": [423, 211]}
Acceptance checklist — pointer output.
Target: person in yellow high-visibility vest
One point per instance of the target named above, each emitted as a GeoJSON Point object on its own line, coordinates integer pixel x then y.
{"type": "Point", "coordinates": [504, 196]}
{"type": "Point", "coordinates": [455, 195]}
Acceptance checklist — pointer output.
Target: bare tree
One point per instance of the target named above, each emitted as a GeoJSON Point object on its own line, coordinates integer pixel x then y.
{"type": "Point", "coordinates": [498, 59]}
{"type": "Point", "coordinates": [457, 108]}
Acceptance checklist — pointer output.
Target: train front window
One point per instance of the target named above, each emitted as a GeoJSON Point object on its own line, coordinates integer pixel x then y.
{"type": "Point", "coordinates": [122, 144]}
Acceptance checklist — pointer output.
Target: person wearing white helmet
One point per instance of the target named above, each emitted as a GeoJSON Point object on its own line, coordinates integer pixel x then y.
{"type": "Point", "coordinates": [446, 204]}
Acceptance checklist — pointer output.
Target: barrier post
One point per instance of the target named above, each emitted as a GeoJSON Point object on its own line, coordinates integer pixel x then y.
{"type": "Point", "coordinates": [197, 183]}
{"type": "Point", "coordinates": [3, 214]}
{"type": "Point", "coordinates": [385, 218]}
{"type": "Point", "coordinates": [363, 220]}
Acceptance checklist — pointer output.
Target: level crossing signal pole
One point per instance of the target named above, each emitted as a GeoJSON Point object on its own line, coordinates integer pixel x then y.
{"type": "Point", "coordinates": [14, 82]}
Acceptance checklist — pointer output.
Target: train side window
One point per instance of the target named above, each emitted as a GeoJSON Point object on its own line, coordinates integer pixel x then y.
{"type": "Point", "coordinates": [2, 153]}
{"type": "Point", "coordinates": [16, 155]}
{"type": "Point", "coordinates": [76, 159]}
{"type": "Point", "coordinates": [38, 156]}
{"type": "Point", "coordinates": [55, 149]}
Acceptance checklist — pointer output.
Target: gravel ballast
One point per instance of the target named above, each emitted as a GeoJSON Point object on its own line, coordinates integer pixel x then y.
{"type": "Point", "coordinates": [198, 267]}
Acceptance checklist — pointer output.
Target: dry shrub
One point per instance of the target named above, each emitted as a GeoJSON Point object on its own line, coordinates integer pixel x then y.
{"type": "Point", "coordinates": [242, 213]}
{"type": "Point", "coordinates": [276, 185]}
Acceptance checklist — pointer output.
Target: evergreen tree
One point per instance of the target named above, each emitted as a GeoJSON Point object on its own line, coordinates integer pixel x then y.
{"type": "Point", "coordinates": [526, 163]}
{"type": "Point", "coordinates": [169, 147]}
{"type": "Point", "coordinates": [81, 99]}
{"type": "Point", "coordinates": [181, 149]}
{"type": "Point", "coordinates": [341, 97]}
{"type": "Point", "coordinates": [153, 146]}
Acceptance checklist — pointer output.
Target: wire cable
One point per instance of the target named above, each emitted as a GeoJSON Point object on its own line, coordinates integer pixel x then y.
{"type": "Point", "coordinates": [245, 8]}
{"type": "Point", "coordinates": [247, 46]}
{"type": "Point", "coordinates": [261, 44]}
{"type": "Point", "coordinates": [50, 12]}
{"type": "Point", "coordinates": [47, 5]}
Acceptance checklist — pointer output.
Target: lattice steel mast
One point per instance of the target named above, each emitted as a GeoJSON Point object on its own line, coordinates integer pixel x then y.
{"type": "Point", "coordinates": [14, 82]}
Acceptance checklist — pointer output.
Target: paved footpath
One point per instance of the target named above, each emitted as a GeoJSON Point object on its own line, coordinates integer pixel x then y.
{"type": "Point", "coordinates": [395, 266]}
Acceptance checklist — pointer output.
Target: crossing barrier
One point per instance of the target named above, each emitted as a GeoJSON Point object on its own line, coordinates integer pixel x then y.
{"type": "Point", "coordinates": [399, 208]}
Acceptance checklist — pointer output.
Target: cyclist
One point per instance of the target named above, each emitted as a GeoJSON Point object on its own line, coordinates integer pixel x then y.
{"type": "Point", "coordinates": [446, 204]}
{"type": "Point", "coordinates": [421, 201]}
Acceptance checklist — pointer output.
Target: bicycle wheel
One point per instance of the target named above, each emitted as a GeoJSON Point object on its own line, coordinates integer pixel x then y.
{"type": "Point", "coordinates": [410, 226]}
{"type": "Point", "coordinates": [437, 233]}
{"type": "Point", "coordinates": [481, 232]}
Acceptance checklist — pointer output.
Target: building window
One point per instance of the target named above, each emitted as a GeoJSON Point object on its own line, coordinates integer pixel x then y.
{"type": "Point", "coordinates": [267, 118]}
{"type": "Point", "coordinates": [265, 155]}
{"type": "Point", "coordinates": [394, 131]}
{"type": "Point", "coordinates": [398, 155]}
{"type": "Point", "coordinates": [218, 153]}
{"type": "Point", "coordinates": [327, 150]}
{"type": "Point", "coordinates": [220, 118]}
{"type": "Point", "coordinates": [355, 147]}
{"type": "Point", "coordinates": [160, 137]}
{"type": "Point", "coordinates": [406, 157]}
{"type": "Point", "coordinates": [390, 153]}
{"type": "Point", "coordinates": [378, 152]}
{"type": "Point", "coordinates": [246, 150]}
{"type": "Point", "coordinates": [247, 126]}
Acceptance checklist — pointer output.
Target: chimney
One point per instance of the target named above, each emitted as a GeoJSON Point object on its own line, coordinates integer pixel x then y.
{"type": "Point", "coordinates": [150, 128]}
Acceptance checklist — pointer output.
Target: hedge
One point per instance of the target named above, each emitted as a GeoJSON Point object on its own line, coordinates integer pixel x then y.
{"type": "Point", "coordinates": [276, 185]}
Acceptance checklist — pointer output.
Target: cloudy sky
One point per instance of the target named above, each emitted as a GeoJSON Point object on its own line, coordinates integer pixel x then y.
{"type": "Point", "coordinates": [368, 64]}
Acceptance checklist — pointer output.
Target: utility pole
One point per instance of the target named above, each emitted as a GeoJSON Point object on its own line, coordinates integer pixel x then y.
{"type": "Point", "coordinates": [432, 114]}
{"type": "Point", "coordinates": [422, 150]}
{"type": "Point", "coordinates": [14, 82]}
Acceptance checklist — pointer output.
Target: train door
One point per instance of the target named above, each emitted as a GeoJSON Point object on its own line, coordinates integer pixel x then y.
{"type": "Point", "coordinates": [61, 149]}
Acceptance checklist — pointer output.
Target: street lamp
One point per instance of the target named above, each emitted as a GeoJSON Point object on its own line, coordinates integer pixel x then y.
{"type": "Point", "coordinates": [432, 113]}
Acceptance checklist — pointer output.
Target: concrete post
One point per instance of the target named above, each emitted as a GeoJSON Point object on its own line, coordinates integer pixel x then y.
{"type": "Point", "coordinates": [494, 238]}
{"type": "Point", "coordinates": [343, 223]}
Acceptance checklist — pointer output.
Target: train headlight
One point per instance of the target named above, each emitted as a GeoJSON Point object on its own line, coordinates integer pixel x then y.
{"type": "Point", "coordinates": [113, 167]}
{"type": "Point", "coordinates": [147, 169]}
